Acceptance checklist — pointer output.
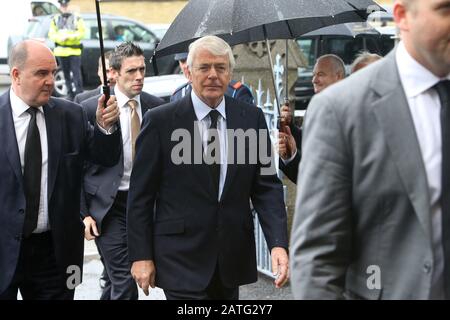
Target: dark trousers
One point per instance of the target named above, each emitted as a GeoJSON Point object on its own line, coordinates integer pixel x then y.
{"type": "Point", "coordinates": [215, 290]}
{"type": "Point", "coordinates": [105, 283]}
{"type": "Point", "coordinates": [37, 276]}
{"type": "Point", "coordinates": [112, 244]}
{"type": "Point", "coordinates": [74, 82]}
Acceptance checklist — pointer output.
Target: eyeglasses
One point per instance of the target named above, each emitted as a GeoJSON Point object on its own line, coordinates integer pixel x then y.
{"type": "Point", "coordinates": [219, 68]}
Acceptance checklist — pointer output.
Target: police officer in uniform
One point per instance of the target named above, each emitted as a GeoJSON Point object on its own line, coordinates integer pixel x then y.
{"type": "Point", "coordinates": [236, 89]}
{"type": "Point", "coordinates": [66, 31]}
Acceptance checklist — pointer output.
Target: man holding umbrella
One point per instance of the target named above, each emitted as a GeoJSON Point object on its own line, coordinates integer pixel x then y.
{"type": "Point", "coordinates": [190, 227]}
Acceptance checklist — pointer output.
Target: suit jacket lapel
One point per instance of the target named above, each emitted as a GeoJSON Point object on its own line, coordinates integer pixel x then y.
{"type": "Point", "coordinates": [8, 137]}
{"type": "Point", "coordinates": [185, 118]}
{"type": "Point", "coordinates": [395, 119]}
{"type": "Point", "coordinates": [235, 120]}
{"type": "Point", "coordinates": [53, 123]}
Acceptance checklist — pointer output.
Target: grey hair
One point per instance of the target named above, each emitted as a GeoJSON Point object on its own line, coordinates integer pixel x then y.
{"type": "Point", "coordinates": [213, 44]}
{"type": "Point", "coordinates": [363, 59]}
{"type": "Point", "coordinates": [18, 55]}
{"type": "Point", "coordinates": [337, 63]}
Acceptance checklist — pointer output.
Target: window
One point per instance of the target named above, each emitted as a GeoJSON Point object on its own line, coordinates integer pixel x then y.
{"type": "Point", "coordinates": [128, 31]}
{"type": "Point", "coordinates": [43, 8]}
{"type": "Point", "coordinates": [308, 49]}
{"type": "Point", "coordinates": [92, 30]}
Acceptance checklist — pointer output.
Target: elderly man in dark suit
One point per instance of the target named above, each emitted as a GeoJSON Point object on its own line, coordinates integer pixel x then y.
{"type": "Point", "coordinates": [43, 143]}
{"type": "Point", "coordinates": [372, 216]}
{"type": "Point", "coordinates": [106, 189]}
{"type": "Point", "coordinates": [190, 226]}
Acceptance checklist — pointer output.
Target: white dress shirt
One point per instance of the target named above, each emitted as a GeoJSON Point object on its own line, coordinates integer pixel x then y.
{"type": "Point", "coordinates": [125, 124]}
{"type": "Point", "coordinates": [21, 120]}
{"type": "Point", "coordinates": [425, 106]}
{"type": "Point", "coordinates": [204, 121]}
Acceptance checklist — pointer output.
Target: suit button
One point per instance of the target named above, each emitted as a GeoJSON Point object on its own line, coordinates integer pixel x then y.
{"type": "Point", "coordinates": [427, 267]}
{"type": "Point", "coordinates": [21, 211]}
{"type": "Point", "coordinates": [18, 237]}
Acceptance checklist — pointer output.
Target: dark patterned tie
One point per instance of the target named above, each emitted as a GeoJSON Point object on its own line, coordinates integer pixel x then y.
{"type": "Point", "coordinates": [32, 174]}
{"type": "Point", "coordinates": [215, 153]}
{"type": "Point", "coordinates": [443, 89]}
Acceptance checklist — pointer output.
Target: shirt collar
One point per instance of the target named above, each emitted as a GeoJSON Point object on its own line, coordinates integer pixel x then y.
{"type": "Point", "coordinates": [415, 78]}
{"type": "Point", "coordinates": [18, 106]}
{"type": "Point", "coordinates": [202, 109]}
{"type": "Point", "coordinates": [122, 99]}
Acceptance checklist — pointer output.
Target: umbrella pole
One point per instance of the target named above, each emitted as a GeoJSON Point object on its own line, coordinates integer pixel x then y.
{"type": "Point", "coordinates": [286, 69]}
{"type": "Point", "coordinates": [105, 87]}
{"type": "Point", "coordinates": [271, 68]}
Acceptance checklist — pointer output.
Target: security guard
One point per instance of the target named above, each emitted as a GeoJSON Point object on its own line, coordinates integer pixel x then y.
{"type": "Point", "coordinates": [236, 89]}
{"type": "Point", "coordinates": [66, 31]}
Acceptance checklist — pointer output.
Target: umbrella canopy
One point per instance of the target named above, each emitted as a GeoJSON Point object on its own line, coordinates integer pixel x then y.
{"type": "Point", "coordinates": [351, 29]}
{"type": "Point", "coordinates": [243, 21]}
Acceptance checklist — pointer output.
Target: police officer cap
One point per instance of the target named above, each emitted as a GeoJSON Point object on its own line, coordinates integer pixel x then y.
{"type": "Point", "coordinates": [181, 56]}
{"type": "Point", "coordinates": [63, 1]}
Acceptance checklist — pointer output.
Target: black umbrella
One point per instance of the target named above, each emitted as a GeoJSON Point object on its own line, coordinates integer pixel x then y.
{"type": "Point", "coordinates": [243, 21]}
{"type": "Point", "coordinates": [350, 29]}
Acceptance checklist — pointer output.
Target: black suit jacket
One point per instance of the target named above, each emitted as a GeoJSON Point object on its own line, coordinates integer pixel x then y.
{"type": "Point", "coordinates": [174, 217]}
{"type": "Point", "coordinates": [101, 183]}
{"type": "Point", "coordinates": [291, 169]}
{"type": "Point", "coordinates": [85, 95]}
{"type": "Point", "coordinates": [71, 140]}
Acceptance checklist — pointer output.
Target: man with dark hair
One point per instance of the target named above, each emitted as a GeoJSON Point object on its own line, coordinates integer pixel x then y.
{"type": "Point", "coordinates": [106, 189]}
{"type": "Point", "coordinates": [43, 143]}
{"type": "Point", "coordinates": [372, 214]}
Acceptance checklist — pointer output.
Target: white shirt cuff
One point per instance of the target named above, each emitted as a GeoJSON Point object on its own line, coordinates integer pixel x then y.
{"type": "Point", "coordinates": [286, 162]}
{"type": "Point", "coordinates": [109, 131]}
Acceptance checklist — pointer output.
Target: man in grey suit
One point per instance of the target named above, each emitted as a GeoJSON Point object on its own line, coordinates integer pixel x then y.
{"type": "Point", "coordinates": [372, 212]}
{"type": "Point", "coordinates": [105, 194]}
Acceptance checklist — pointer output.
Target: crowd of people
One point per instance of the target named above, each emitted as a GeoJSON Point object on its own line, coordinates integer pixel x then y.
{"type": "Point", "coordinates": [166, 191]}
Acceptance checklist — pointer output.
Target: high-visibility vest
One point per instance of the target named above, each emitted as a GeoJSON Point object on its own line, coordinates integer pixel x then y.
{"type": "Point", "coordinates": [66, 31]}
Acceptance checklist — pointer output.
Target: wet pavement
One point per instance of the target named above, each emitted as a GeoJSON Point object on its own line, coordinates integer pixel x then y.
{"type": "Point", "coordinates": [263, 289]}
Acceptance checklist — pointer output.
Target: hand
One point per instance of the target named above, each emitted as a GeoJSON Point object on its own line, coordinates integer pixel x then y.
{"type": "Point", "coordinates": [280, 266]}
{"type": "Point", "coordinates": [108, 116]}
{"type": "Point", "coordinates": [285, 115]}
{"type": "Point", "coordinates": [143, 273]}
{"type": "Point", "coordinates": [90, 225]}
{"type": "Point", "coordinates": [286, 144]}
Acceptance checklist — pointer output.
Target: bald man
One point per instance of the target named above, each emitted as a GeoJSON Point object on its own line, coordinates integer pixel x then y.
{"type": "Point", "coordinates": [372, 213]}
{"type": "Point", "coordinates": [44, 142]}
{"type": "Point", "coordinates": [328, 70]}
